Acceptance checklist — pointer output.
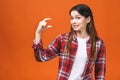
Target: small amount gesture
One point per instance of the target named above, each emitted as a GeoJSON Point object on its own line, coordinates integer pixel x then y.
{"type": "Point", "coordinates": [43, 25]}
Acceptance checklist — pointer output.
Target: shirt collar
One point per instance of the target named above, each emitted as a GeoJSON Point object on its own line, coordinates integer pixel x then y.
{"type": "Point", "coordinates": [75, 38]}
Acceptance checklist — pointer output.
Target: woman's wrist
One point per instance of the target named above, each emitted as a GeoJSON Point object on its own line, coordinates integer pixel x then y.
{"type": "Point", "coordinates": [37, 37]}
{"type": "Point", "coordinates": [38, 32]}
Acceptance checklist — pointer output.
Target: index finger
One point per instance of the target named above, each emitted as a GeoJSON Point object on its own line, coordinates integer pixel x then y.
{"type": "Point", "coordinates": [46, 19]}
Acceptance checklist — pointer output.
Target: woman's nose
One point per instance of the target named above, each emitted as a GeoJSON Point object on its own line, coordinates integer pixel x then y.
{"type": "Point", "coordinates": [73, 21]}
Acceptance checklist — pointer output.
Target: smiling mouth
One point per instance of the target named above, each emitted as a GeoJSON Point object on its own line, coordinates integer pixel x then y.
{"type": "Point", "coordinates": [75, 26]}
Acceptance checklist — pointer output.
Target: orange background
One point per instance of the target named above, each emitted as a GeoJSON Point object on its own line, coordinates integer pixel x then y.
{"type": "Point", "coordinates": [19, 19]}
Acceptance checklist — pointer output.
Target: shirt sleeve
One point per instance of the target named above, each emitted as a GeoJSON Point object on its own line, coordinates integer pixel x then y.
{"type": "Point", "coordinates": [100, 65]}
{"type": "Point", "coordinates": [50, 52]}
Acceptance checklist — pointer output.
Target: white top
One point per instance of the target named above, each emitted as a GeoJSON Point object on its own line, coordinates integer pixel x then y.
{"type": "Point", "coordinates": [80, 60]}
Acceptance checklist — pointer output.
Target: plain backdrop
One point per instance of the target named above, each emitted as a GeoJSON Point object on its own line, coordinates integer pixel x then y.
{"type": "Point", "coordinates": [19, 20]}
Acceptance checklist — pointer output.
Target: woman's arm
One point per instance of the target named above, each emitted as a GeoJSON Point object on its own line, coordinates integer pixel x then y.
{"type": "Point", "coordinates": [100, 65]}
{"type": "Point", "coordinates": [40, 53]}
{"type": "Point", "coordinates": [42, 25]}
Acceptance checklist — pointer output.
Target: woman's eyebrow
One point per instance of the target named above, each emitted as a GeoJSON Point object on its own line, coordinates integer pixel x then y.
{"type": "Point", "coordinates": [75, 15]}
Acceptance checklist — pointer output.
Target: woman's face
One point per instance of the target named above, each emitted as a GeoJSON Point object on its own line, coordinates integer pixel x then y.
{"type": "Point", "coordinates": [78, 22]}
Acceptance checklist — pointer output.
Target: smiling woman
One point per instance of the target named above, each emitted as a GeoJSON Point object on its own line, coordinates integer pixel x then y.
{"type": "Point", "coordinates": [78, 50]}
{"type": "Point", "coordinates": [78, 21]}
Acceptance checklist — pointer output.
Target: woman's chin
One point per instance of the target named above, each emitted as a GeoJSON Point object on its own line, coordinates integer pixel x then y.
{"type": "Point", "coordinates": [76, 30]}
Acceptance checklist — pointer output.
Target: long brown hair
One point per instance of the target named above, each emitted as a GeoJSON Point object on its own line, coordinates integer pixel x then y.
{"type": "Point", "coordinates": [85, 11]}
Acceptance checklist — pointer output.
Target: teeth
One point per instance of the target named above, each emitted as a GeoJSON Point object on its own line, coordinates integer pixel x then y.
{"type": "Point", "coordinates": [75, 25]}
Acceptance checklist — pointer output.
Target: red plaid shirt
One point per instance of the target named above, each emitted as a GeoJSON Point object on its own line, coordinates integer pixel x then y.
{"type": "Point", "coordinates": [57, 47]}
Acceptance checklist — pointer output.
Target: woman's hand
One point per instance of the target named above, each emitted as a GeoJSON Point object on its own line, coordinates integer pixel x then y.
{"type": "Point", "coordinates": [43, 25]}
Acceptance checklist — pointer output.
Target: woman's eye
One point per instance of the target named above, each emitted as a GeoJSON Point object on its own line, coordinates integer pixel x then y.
{"type": "Point", "coordinates": [77, 17]}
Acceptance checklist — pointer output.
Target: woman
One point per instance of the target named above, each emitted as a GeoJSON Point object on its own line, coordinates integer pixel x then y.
{"type": "Point", "coordinates": [78, 51]}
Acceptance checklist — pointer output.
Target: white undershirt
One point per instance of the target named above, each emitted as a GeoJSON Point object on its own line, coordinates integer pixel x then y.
{"type": "Point", "coordinates": [80, 60]}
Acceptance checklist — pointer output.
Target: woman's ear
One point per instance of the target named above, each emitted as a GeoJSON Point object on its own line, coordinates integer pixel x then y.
{"type": "Point", "coordinates": [88, 19]}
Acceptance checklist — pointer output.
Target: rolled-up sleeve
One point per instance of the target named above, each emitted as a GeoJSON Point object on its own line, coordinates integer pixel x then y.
{"type": "Point", "coordinates": [100, 65]}
{"type": "Point", "coordinates": [50, 52]}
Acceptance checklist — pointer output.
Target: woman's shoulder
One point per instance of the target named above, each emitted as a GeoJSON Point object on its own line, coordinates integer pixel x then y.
{"type": "Point", "coordinates": [99, 41]}
{"type": "Point", "coordinates": [63, 35]}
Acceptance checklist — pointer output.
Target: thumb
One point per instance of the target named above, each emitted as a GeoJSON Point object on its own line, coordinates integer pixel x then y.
{"type": "Point", "coordinates": [49, 26]}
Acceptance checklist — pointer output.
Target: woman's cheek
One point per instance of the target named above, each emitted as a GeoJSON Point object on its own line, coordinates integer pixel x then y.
{"type": "Point", "coordinates": [79, 21]}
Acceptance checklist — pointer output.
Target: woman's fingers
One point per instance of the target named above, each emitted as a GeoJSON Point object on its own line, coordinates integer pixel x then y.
{"type": "Point", "coordinates": [49, 26]}
{"type": "Point", "coordinates": [46, 19]}
{"type": "Point", "coordinates": [43, 24]}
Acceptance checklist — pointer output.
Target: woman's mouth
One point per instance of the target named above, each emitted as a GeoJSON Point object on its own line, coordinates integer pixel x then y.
{"type": "Point", "coordinates": [75, 26]}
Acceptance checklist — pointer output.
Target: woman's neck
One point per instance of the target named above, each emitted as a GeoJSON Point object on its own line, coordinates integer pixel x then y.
{"type": "Point", "coordinates": [82, 34]}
